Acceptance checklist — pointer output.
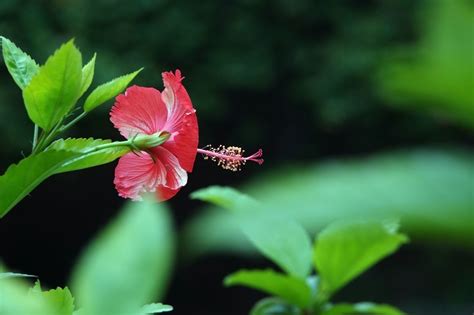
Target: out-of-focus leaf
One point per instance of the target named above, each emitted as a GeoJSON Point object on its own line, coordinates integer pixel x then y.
{"type": "Point", "coordinates": [282, 240]}
{"type": "Point", "coordinates": [438, 75]}
{"type": "Point", "coordinates": [274, 306]}
{"type": "Point", "coordinates": [54, 90]}
{"type": "Point", "coordinates": [107, 91]}
{"type": "Point", "coordinates": [88, 156]}
{"type": "Point", "coordinates": [87, 75]}
{"type": "Point", "coordinates": [291, 289]}
{"type": "Point", "coordinates": [226, 197]}
{"type": "Point", "coordinates": [429, 190]}
{"type": "Point", "coordinates": [128, 264]}
{"type": "Point", "coordinates": [20, 65]}
{"type": "Point", "coordinates": [346, 249]}
{"type": "Point", "coordinates": [364, 308]}
{"type": "Point", "coordinates": [155, 308]}
{"type": "Point", "coordinates": [15, 300]}
{"type": "Point", "coordinates": [20, 179]}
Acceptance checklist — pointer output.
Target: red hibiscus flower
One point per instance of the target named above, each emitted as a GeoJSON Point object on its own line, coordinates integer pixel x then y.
{"type": "Point", "coordinates": [147, 111]}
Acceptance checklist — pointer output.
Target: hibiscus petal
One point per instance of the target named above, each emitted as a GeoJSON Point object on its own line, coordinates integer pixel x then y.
{"type": "Point", "coordinates": [176, 99]}
{"type": "Point", "coordinates": [176, 176]}
{"type": "Point", "coordinates": [139, 110]}
{"type": "Point", "coordinates": [138, 173]}
{"type": "Point", "coordinates": [163, 193]}
{"type": "Point", "coordinates": [184, 143]}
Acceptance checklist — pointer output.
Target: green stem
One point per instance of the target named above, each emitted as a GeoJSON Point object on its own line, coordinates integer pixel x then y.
{"type": "Point", "coordinates": [35, 137]}
{"type": "Point", "coordinates": [73, 122]}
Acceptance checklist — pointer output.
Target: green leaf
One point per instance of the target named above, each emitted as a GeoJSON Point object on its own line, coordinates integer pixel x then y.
{"type": "Point", "coordinates": [20, 179]}
{"type": "Point", "coordinates": [5, 275]}
{"type": "Point", "coordinates": [365, 308]}
{"type": "Point", "coordinates": [429, 190]}
{"type": "Point", "coordinates": [346, 249]}
{"type": "Point", "coordinates": [155, 308]}
{"type": "Point", "coordinates": [291, 289]}
{"type": "Point", "coordinates": [62, 156]}
{"type": "Point", "coordinates": [87, 157]}
{"type": "Point", "coordinates": [20, 65]}
{"type": "Point", "coordinates": [60, 300]}
{"type": "Point", "coordinates": [15, 300]}
{"type": "Point", "coordinates": [87, 75]}
{"type": "Point", "coordinates": [274, 306]}
{"type": "Point", "coordinates": [282, 240]}
{"type": "Point", "coordinates": [225, 197]}
{"type": "Point", "coordinates": [54, 90]}
{"type": "Point", "coordinates": [107, 91]}
{"type": "Point", "coordinates": [128, 264]}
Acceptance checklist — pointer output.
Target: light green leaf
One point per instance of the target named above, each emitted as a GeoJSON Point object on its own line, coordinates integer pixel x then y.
{"type": "Point", "coordinates": [107, 91]}
{"type": "Point", "coordinates": [60, 300]}
{"type": "Point", "coordinates": [54, 90]}
{"type": "Point", "coordinates": [291, 289]}
{"type": "Point", "coordinates": [87, 75]}
{"type": "Point", "coordinates": [282, 240]}
{"type": "Point", "coordinates": [156, 308]}
{"type": "Point", "coordinates": [128, 264]}
{"type": "Point", "coordinates": [20, 179]}
{"type": "Point", "coordinates": [365, 308]}
{"type": "Point", "coordinates": [346, 249]}
{"type": "Point", "coordinates": [225, 197]}
{"type": "Point", "coordinates": [5, 275]}
{"type": "Point", "coordinates": [87, 156]}
{"type": "Point", "coordinates": [274, 306]}
{"type": "Point", "coordinates": [20, 65]}
{"type": "Point", "coordinates": [15, 300]}
{"type": "Point", "coordinates": [429, 190]}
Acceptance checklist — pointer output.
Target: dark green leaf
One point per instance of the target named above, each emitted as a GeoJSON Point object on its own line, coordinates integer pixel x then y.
{"type": "Point", "coordinates": [87, 155]}
{"type": "Point", "coordinates": [365, 308]}
{"type": "Point", "coordinates": [60, 300]}
{"type": "Point", "coordinates": [54, 90]}
{"type": "Point", "coordinates": [87, 75]}
{"type": "Point", "coordinates": [291, 289]}
{"type": "Point", "coordinates": [109, 90]}
{"type": "Point", "coordinates": [20, 65]}
{"type": "Point", "coordinates": [128, 264]}
{"type": "Point", "coordinates": [274, 306]}
{"type": "Point", "coordinates": [346, 249]}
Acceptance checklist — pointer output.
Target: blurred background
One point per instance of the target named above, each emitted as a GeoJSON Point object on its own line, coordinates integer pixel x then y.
{"type": "Point", "coordinates": [356, 104]}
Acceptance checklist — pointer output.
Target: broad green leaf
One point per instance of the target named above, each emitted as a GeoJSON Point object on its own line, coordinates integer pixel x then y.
{"type": "Point", "coordinates": [429, 190]}
{"type": "Point", "coordinates": [59, 300]}
{"type": "Point", "coordinates": [54, 90]}
{"type": "Point", "coordinates": [155, 308]}
{"type": "Point", "coordinates": [346, 249]}
{"type": "Point", "coordinates": [109, 90]}
{"type": "Point", "coordinates": [87, 75]}
{"type": "Point", "coordinates": [291, 289]}
{"type": "Point", "coordinates": [5, 275]}
{"type": "Point", "coordinates": [282, 240]}
{"type": "Point", "coordinates": [20, 179]}
{"type": "Point", "coordinates": [20, 65]}
{"type": "Point", "coordinates": [365, 308]}
{"type": "Point", "coordinates": [62, 156]}
{"type": "Point", "coordinates": [226, 197]}
{"type": "Point", "coordinates": [128, 264]}
{"type": "Point", "coordinates": [274, 306]}
{"type": "Point", "coordinates": [87, 155]}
